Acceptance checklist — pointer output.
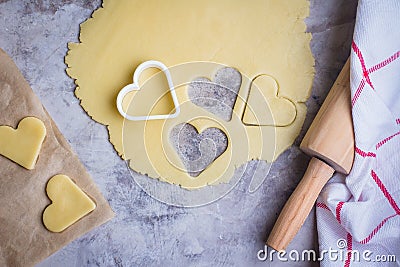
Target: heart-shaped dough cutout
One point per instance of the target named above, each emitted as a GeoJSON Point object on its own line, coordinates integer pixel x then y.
{"type": "Point", "coordinates": [22, 145]}
{"type": "Point", "coordinates": [217, 96]}
{"type": "Point", "coordinates": [264, 106]}
{"type": "Point", "coordinates": [135, 87]}
{"type": "Point", "coordinates": [69, 204]}
{"type": "Point", "coordinates": [198, 151]}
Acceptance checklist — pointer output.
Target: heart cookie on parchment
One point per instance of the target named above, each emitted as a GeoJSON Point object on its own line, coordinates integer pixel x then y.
{"type": "Point", "coordinates": [218, 96]}
{"type": "Point", "coordinates": [198, 151]}
{"type": "Point", "coordinates": [22, 145]}
{"type": "Point", "coordinates": [69, 204]}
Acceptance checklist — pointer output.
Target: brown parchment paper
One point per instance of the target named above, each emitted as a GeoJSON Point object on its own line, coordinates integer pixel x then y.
{"type": "Point", "coordinates": [24, 241]}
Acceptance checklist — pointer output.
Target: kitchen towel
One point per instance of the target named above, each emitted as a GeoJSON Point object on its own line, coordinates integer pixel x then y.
{"type": "Point", "coordinates": [358, 216]}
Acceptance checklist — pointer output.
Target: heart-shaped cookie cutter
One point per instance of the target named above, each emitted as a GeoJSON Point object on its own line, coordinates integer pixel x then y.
{"type": "Point", "coordinates": [135, 87]}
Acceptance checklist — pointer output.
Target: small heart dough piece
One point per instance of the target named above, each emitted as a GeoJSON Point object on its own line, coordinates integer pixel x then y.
{"type": "Point", "coordinates": [22, 145]}
{"type": "Point", "coordinates": [69, 204]}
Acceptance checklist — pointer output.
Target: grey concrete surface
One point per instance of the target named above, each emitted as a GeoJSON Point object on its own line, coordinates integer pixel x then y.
{"type": "Point", "coordinates": [146, 232]}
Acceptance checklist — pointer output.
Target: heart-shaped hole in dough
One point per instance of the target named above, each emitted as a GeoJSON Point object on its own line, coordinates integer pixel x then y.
{"type": "Point", "coordinates": [217, 96]}
{"type": "Point", "coordinates": [198, 150]}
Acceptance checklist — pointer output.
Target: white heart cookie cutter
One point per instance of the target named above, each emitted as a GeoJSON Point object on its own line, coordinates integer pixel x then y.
{"type": "Point", "coordinates": [135, 87]}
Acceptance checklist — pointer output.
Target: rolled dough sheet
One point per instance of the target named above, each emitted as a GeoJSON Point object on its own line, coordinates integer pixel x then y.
{"type": "Point", "coordinates": [261, 37]}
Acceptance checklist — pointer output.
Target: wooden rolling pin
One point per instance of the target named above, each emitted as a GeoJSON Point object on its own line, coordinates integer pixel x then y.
{"type": "Point", "coordinates": [330, 141]}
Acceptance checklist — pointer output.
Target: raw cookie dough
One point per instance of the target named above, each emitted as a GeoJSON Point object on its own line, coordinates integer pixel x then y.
{"type": "Point", "coordinates": [260, 37]}
{"type": "Point", "coordinates": [69, 204]}
{"type": "Point", "coordinates": [22, 145]}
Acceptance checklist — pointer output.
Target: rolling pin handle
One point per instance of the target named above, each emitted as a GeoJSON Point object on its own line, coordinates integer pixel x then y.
{"type": "Point", "coordinates": [299, 205]}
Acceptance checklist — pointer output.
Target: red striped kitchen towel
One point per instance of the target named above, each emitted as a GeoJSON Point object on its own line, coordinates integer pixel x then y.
{"type": "Point", "coordinates": [358, 216]}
